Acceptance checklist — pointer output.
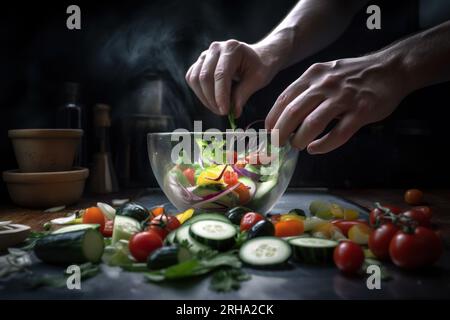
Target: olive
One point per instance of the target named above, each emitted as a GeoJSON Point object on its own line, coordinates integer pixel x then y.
{"type": "Point", "coordinates": [235, 214]}
{"type": "Point", "coordinates": [298, 212]}
{"type": "Point", "coordinates": [263, 228]}
{"type": "Point", "coordinates": [133, 210]}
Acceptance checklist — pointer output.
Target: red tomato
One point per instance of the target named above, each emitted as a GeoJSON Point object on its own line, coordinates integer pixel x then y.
{"type": "Point", "coordinates": [414, 197]}
{"type": "Point", "coordinates": [168, 222]}
{"type": "Point", "coordinates": [427, 212]}
{"type": "Point", "coordinates": [94, 215]}
{"type": "Point", "coordinates": [108, 230]}
{"type": "Point", "coordinates": [380, 239]}
{"type": "Point", "coordinates": [345, 225]}
{"type": "Point", "coordinates": [378, 213]}
{"type": "Point", "coordinates": [160, 231]}
{"type": "Point", "coordinates": [348, 257]}
{"type": "Point", "coordinates": [189, 173]}
{"type": "Point", "coordinates": [415, 250]}
{"type": "Point", "coordinates": [142, 244]}
{"type": "Point", "coordinates": [230, 178]}
{"type": "Point", "coordinates": [420, 217]}
{"type": "Point", "coordinates": [249, 220]}
{"type": "Point", "coordinates": [163, 224]}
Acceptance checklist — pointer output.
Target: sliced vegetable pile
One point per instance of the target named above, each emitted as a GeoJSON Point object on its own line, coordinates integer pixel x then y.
{"type": "Point", "coordinates": [166, 247]}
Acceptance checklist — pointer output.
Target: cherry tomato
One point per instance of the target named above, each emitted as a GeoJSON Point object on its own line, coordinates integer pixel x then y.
{"type": "Point", "coordinates": [243, 193]}
{"type": "Point", "coordinates": [413, 197]}
{"type": "Point", "coordinates": [427, 212]}
{"type": "Point", "coordinates": [348, 257]}
{"type": "Point", "coordinates": [108, 229]}
{"type": "Point", "coordinates": [143, 243]}
{"type": "Point", "coordinates": [189, 173]}
{"type": "Point", "coordinates": [230, 178]}
{"type": "Point", "coordinates": [422, 219]}
{"type": "Point", "coordinates": [345, 225]}
{"type": "Point", "coordinates": [379, 214]}
{"type": "Point", "coordinates": [163, 224]}
{"type": "Point", "coordinates": [415, 250]}
{"type": "Point", "coordinates": [380, 239]}
{"type": "Point", "coordinates": [249, 220]}
{"type": "Point", "coordinates": [289, 228]}
{"type": "Point", "coordinates": [160, 231]}
{"type": "Point", "coordinates": [94, 215]}
{"type": "Point", "coordinates": [169, 222]}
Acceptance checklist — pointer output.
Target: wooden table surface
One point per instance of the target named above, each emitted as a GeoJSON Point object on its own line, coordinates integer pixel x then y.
{"type": "Point", "coordinates": [439, 200]}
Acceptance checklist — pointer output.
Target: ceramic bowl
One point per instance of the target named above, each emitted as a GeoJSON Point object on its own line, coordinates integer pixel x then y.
{"type": "Point", "coordinates": [45, 150]}
{"type": "Point", "coordinates": [46, 189]}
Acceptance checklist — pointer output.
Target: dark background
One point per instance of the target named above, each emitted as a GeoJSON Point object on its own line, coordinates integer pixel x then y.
{"type": "Point", "coordinates": [124, 43]}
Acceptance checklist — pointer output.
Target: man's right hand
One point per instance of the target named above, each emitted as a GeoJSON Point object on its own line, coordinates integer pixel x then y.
{"type": "Point", "coordinates": [228, 73]}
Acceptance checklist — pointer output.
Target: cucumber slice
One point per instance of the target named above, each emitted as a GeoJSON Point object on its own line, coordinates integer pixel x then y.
{"type": "Point", "coordinates": [170, 238]}
{"type": "Point", "coordinates": [168, 256]}
{"type": "Point", "coordinates": [124, 228]}
{"type": "Point", "coordinates": [213, 233]}
{"type": "Point", "coordinates": [313, 250]}
{"type": "Point", "coordinates": [263, 188]}
{"type": "Point", "coordinates": [250, 184]}
{"type": "Point", "coordinates": [265, 252]}
{"type": "Point", "coordinates": [70, 247]}
{"type": "Point", "coordinates": [208, 216]}
{"type": "Point", "coordinates": [76, 227]}
{"type": "Point", "coordinates": [184, 236]}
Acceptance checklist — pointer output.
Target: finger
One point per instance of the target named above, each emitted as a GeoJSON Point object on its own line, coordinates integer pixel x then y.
{"type": "Point", "coordinates": [242, 92]}
{"type": "Point", "coordinates": [339, 135]}
{"type": "Point", "coordinates": [295, 112]}
{"type": "Point", "coordinates": [206, 76]}
{"type": "Point", "coordinates": [194, 82]}
{"type": "Point", "coordinates": [288, 95]}
{"type": "Point", "coordinates": [223, 75]}
{"type": "Point", "coordinates": [315, 123]}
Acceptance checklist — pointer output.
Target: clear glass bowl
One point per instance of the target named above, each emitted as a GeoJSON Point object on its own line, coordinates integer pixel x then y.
{"type": "Point", "coordinates": [206, 178]}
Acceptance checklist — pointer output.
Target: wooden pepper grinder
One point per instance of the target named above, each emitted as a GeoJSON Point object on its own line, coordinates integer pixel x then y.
{"type": "Point", "coordinates": [103, 176]}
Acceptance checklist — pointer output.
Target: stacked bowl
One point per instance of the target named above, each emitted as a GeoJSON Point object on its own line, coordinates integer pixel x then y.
{"type": "Point", "coordinates": [46, 176]}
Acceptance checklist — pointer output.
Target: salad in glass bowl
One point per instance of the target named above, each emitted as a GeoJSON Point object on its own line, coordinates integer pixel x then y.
{"type": "Point", "coordinates": [217, 171]}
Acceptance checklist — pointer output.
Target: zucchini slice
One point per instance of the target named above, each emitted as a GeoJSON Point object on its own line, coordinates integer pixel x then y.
{"type": "Point", "coordinates": [184, 236]}
{"type": "Point", "coordinates": [208, 216]}
{"type": "Point", "coordinates": [168, 256]}
{"type": "Point", "coordinates": [76, 227]}
{"type": "Point", "coordinates": [216, 234]}
{"type": "Point", "coordinates": [70, 247]}
{"type": "Point", "coordinates": [265, 252]}
{"type": "Point", "coordinates": [313, 250]}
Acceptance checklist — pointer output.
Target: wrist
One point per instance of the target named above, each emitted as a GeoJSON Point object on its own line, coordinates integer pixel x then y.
{"type": "Point", "coordinates": [396, 63]}
{"type": "Point", "coordinates": [276, 49]}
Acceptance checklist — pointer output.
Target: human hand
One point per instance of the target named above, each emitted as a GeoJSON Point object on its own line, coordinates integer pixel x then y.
{"type": "Point", "coordinates": [357, 91]}
{"type": "Point", "coordinates": [228, 73]}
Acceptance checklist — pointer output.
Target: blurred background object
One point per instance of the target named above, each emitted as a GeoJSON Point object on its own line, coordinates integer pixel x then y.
{"type": "Point", "coordinates": [103, 175]}
{"type": "Point", "coordinates": [133, 56]}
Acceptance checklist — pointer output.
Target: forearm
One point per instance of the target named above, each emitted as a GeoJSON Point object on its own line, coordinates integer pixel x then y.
{"type": "Point", "coordinates": [424, 58]}
{"type": "Point", "coordinates": [309, 27]}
